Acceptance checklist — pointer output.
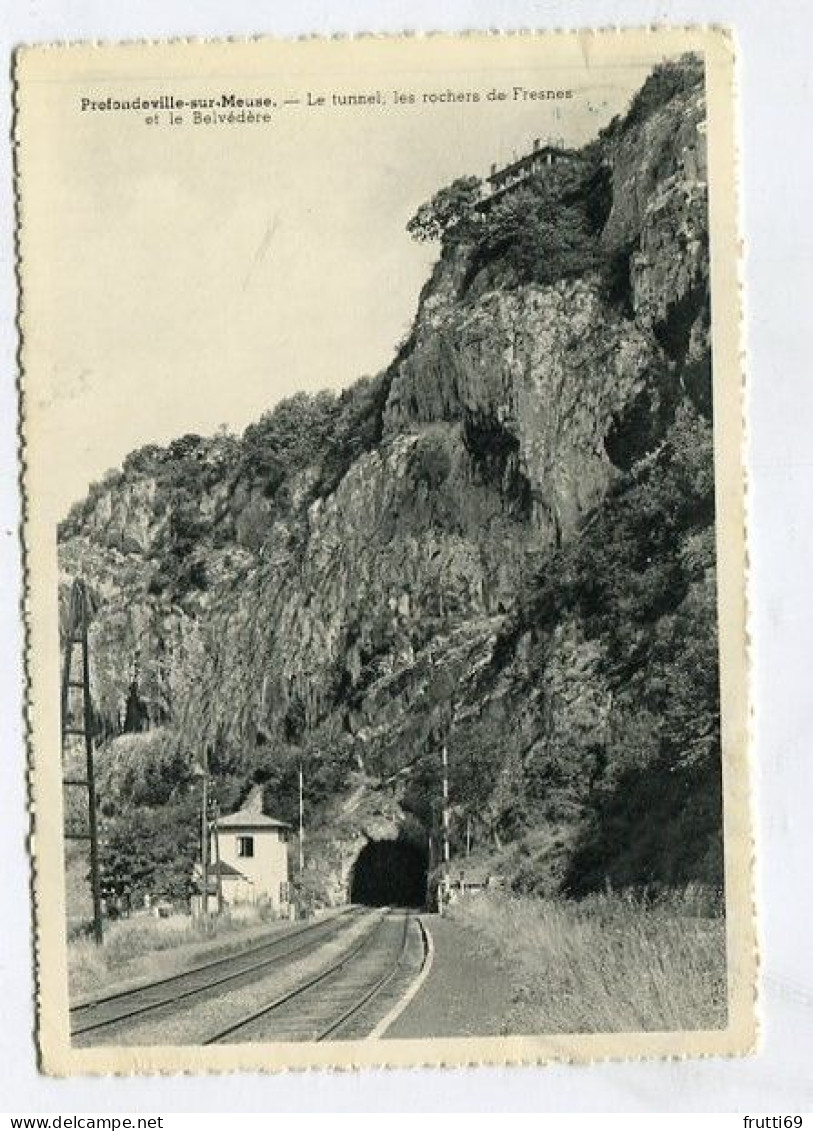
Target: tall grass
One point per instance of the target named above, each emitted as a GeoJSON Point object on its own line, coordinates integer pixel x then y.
{"type": "Point", "coordinates": [609, 963]}
{"type": "Point", "coordinates": [132, 946]}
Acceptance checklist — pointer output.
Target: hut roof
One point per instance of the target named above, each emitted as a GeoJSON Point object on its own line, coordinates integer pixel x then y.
{"type": "Point", "coordinates": [247, 819]}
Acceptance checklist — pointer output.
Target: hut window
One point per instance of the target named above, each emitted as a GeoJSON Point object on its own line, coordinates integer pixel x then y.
{"type": "Point", "coordinates": [245, 846]}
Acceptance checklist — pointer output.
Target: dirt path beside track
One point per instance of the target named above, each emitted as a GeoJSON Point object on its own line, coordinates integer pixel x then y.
{"type": "Point", "coordinates": [466, 994]}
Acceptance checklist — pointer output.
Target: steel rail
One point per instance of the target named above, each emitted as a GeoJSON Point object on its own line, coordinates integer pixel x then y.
{"type": "Point", "coordinates": [316, 980]}
{"type": "Point", "coordinates": [376, 989]}
{"type": "Point", "coordinates": [277, 947]}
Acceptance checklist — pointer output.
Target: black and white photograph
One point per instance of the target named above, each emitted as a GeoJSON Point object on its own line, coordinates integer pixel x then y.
{"type": "Point", "coordinates": [385, 549]}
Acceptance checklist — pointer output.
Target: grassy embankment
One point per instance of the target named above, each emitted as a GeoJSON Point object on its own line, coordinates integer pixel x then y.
{"type": "Point", "coordinates": [609, 963]}
{"type": "Point", "coordinates": [144, 947]}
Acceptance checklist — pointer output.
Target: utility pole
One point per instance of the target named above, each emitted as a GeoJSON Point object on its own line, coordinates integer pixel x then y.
{"type": "Point", "coordinates": [301, 821]}
{"type": "Point", "coordinates": [431, 867]}
{"type": "Point", "coordinates": [78, 634]}
{"type": "Point", "coordinates": [446, 850]}
{"type": "Point", "coordinates": [444, 882]}
{"type": "Point", "coordinates": [204, 835]}
{"type": "Point", "coordinates": [216, 838]}
{"type": "Point", "coordinates": [301, 872]}
{"type": "Point", "coordinates": [468, 836]}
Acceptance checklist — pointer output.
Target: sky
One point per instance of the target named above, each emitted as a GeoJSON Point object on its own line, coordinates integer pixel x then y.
{"type": "Point", "coordinates": [190, 277]}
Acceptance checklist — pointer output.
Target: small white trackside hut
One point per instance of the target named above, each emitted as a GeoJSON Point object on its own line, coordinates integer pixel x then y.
{"type": "Point", "coordinates": [254, 855]}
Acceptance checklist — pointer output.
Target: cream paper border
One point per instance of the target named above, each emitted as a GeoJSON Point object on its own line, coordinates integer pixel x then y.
{"type": "Point", "coordinates": [146, 60]}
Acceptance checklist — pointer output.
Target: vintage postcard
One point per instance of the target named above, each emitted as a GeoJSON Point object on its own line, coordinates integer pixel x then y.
{"type": "Point", "coordinates": [381, 426]}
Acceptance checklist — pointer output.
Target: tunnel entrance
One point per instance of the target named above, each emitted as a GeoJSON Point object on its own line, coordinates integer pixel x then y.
{"type": "Point", "coordinates": [389, 873]}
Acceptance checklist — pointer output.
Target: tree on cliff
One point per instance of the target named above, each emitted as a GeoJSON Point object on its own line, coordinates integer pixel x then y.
{"type": "Point", "coordinates": [435, 219]}
{"type": "Point", "coordinates": [287, 439]}
{"type": "Point", "coordinates": [640, 583]}
{"type": "Point", "coordinates": [540, 235]}
{"type": "Point", "coordinates": [670, 78]}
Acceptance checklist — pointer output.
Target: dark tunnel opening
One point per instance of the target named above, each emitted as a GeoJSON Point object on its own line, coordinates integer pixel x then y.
{"type": "Point", "coordinates": [390, 873]}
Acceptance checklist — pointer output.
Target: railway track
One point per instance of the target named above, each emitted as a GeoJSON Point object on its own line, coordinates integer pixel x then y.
{"type": "Point", "coordinates": [228, 972]}
{"type": "Point", "coordinates": [331, 1004]}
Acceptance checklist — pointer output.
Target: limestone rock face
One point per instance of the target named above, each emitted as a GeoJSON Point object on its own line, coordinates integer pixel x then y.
{"type": "Point", "coordinates": [124, 517]}
{"type": "Point", "coordinates": [366, 616]}
{"type": "Point", "coordinates": [660, 208]}
{"type": "Point", "coordinates": [390, 562]}
{"type": "Point", "coordinates": [540, 372]}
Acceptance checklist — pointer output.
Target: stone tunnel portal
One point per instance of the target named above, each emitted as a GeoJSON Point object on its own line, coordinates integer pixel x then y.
{"type": "Point", "coordinates": [390, 873]}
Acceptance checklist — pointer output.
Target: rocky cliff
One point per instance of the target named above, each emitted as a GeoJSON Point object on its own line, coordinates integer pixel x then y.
{"type": "Point", "coordinates": [500, 543]}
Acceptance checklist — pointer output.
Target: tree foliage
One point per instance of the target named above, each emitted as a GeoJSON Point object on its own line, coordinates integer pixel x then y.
{"type": "Point", "coordinates": [149, 769]}
{"type": "Point", "coordinates": [668, 79]}
{"type": "Point", "coordinates": [451, 210]}
{"type": "Point", "coordinates": [151, 850]}
{"type": "Point", "coordinates": [356, 428]}
{"type": "Point", "coordinates": [541, 232]}
{"type": "Point", "coordinates": [640, 581]}
{"type": "Point", "coordinates": [287, 439]}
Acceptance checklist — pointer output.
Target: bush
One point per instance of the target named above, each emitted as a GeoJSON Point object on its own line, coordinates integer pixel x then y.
{"type": "Point", "coordinates": [151, 849]}
{"type": "Point", "coordinates": [449, 212]}
{"type": "Point", "coordinates": [641, 780]}
{"type": "Point", "coordinates": [676, 76]}
{"type": "Point", "coordinates": [284, 441]}
{"type": "Point", "coordinates": [357, 428]}
{"type": "Point", "coordinates": [539, 236]}
{"type": "Point", "coordinates": [430, 463]}
{"type": "Point", "coordinates": [148, 460]}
